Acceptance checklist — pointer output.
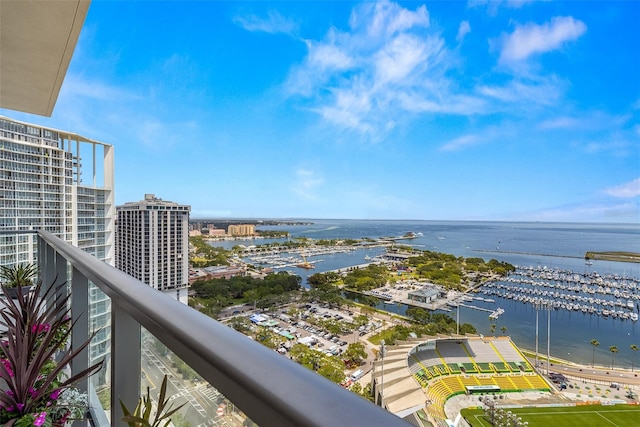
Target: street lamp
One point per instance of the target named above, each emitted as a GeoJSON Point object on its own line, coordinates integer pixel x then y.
{"type": "Point", "coordinates": [537, 308]}
{"type": "Point", "coordinates": [548, 335]}
{"type": "Point", "coordinates": [382, 353]}
{"type": "Point", "coordinates": [458, 317]}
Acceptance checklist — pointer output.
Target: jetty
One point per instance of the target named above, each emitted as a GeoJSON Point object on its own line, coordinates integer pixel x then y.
{"type": "Point", "coordinates": [613, 256]}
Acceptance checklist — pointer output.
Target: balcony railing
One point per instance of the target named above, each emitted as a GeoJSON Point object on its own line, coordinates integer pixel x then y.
{"type": "Point", "coordinates": [268, 387]}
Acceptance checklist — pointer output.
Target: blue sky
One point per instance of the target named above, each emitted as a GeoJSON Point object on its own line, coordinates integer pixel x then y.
{"type": "Point", "coordinates": [500, 110]}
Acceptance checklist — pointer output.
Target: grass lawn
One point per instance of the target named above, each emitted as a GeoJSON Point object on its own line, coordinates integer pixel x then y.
{"type": "Point", "coordinates": [572, 416]}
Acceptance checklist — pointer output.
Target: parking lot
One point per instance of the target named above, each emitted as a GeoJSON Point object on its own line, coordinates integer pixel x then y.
{"type": "Point", "coordinates": [310, 326]}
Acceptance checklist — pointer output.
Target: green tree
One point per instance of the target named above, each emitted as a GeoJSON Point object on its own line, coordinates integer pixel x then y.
{"type": "Point", "coordinates": [306, 356]}
{"type": "Point", "coordinates": [355, 354]}
{"type": "Point", "coordinates": [367, 310]}
{"type": "Point", "coordinates": [468, 328]}
{"type": "Point", "coordinates": [635, 349]}
{"type": "Point", "coordinates": [613, 349]}
{"type": "Point", "coordinates": [332, 368]}
{"type": "Point", "coordinates": [504, 330]}
{"type": "Point", "coordinates": [595, 343]}
{"type": "Point", "coordinates": [419, 315]}
{"type": "Point", "coordinates": [268, 338]}
{"type": "Point", "coordinates": [240, 324]}
{"type": "Point", "coordinates": [492, 328]}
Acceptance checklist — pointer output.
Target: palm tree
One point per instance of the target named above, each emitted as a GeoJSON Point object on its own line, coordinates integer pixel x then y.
{"type": "Point", "coordinates": [634, 348]}
{"type": "Point", "coordinates": [613, 349]}
{"type": "Point", "coordinates": [594, 343]}
{"type": "Point", "coordinates": [504, 330]}
{"type": "Point", "coordinates": [492, 328]}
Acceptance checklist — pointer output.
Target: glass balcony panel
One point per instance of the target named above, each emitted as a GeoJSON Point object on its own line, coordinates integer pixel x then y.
{"type": "Point", "coordinates": [202, 404]}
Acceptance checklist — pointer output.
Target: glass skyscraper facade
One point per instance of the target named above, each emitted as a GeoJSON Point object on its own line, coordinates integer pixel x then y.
{"type": "Point", "coordinates": [60, 182]}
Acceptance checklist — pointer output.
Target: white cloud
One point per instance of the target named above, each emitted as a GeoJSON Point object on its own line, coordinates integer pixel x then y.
{"type": "Point", "coordinates": [400, 58]}
{"type": "Point", "coordinates": [530, 39]}
{"type": "Point", "coordinates": [530, 92]}
{"type": "Point", "coordinates": [384, 19]}
{"type": "Point", "coordinates": [77, 86]}
{"type": "Point", "coordinates": [305, 183]}
{"type": "Point", "coordinates": [272, 24]}
{"type": "Point", "coordinates": [560, 123]}
{"type": "Point", "coordinates": [463, 30]}
{"type": "Point", "coordinates": [329, 57]}
{"type": "Point", "coordinates": [461, 142]}
{"type": "Point", "coordinates": [387, 64]}
{"type": "Point", "coordinates": [389, 67]}
{"type": "Point", "coordinates": [493, 5]}
{"type": "Point", "coordinates": [627, 190]}
{"type": "Point", "coordinates": [590, 120]}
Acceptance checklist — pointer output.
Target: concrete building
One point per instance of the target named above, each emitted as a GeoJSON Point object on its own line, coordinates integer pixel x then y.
{"type": "Point", "coordinates": [215, 232]}
{"type": "Point", "coordinates": [152, 244]}
{"type": "Point", "coordinates": [425, 295]}
{"type": "Point", "coordinates": [241, 230]}
{"type": "Point", "coordinates": [60, 182]}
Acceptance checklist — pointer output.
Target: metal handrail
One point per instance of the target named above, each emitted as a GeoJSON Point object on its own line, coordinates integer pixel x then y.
{"type": "Point", "coordinates": [271, 389]}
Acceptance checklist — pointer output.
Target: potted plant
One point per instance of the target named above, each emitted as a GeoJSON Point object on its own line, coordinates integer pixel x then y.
{"type": "Point", "coordinates": [34, 356]}
{"type": "Point", "coordinates": [147, 414]}
{"type": "Point", "coordinates": [18, 278]}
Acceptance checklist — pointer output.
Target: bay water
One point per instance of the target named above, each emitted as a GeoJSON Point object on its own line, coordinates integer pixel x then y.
{"type": "Point", "coordinates": [535, 244]}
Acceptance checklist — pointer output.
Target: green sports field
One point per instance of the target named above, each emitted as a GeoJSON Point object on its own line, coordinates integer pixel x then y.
{"type": "Point", "coordinates": [572, 416]}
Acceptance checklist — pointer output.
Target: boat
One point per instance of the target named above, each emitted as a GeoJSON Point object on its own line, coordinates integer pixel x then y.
{"type": "Point", "coordinates": [496, 314]}
{"type": "Point", "coordinates": [305, 264]}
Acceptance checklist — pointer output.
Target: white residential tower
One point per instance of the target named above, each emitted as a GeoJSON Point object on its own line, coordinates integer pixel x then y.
{"type": "Point", "coordinates": [60, 182]}
{"type": "Point", "coordinates": [152, 244]}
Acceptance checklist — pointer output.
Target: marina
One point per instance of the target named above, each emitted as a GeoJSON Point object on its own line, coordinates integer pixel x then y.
{"type": "Point", "coordinates": [591, 293]}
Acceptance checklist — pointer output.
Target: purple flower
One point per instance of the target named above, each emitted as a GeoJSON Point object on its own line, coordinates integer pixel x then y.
{"type": "Point", "coordinates": [20, 406]}
{"type": "Point", "coordinates": [55, 394]}
{"type": "Point", "coordinates": [40, 419]}
{"type": "Point", "coordinates": [33, 392]}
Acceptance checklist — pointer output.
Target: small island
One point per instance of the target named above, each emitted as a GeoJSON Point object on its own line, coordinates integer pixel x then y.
{"type": "Point", "coordinates": [613, 256]}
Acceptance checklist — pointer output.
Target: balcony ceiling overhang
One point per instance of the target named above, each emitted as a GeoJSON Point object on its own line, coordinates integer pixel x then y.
{"type": "Point", "coordinates": [37, 40]}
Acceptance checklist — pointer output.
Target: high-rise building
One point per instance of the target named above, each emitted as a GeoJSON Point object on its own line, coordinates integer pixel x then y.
{"type": "Point", "coordinates": [152, 244]}
{"type": "Point", "coordinates": [60, 182]}
{"type": "Point", "coordinates": [241, 230]}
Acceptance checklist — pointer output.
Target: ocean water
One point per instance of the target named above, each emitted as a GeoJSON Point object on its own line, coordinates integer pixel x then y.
{"type": "Point", "coordinates": [551, 245]}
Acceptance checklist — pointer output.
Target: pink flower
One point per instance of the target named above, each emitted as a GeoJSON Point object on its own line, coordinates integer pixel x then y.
{"type": "Point", "coordinates": [40, 419]}
{"type": "Point", "coordinates": [43, 327]}
{"type": "Point", "coordinates": [7, 366]}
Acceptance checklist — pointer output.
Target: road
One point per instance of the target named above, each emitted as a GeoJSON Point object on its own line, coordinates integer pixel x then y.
{"type": "Point", "coordinates": [200, 401]}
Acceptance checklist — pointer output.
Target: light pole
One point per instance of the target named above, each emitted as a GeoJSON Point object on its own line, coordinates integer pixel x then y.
{"type": "Point", "coordinates": [382, 352]}
{"type": "Point", "coordinates": [537, 309]}
{"type": "Point", "coordinates": [548, 335]}
{"type": "Point", "coordinates": [458, 317]}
